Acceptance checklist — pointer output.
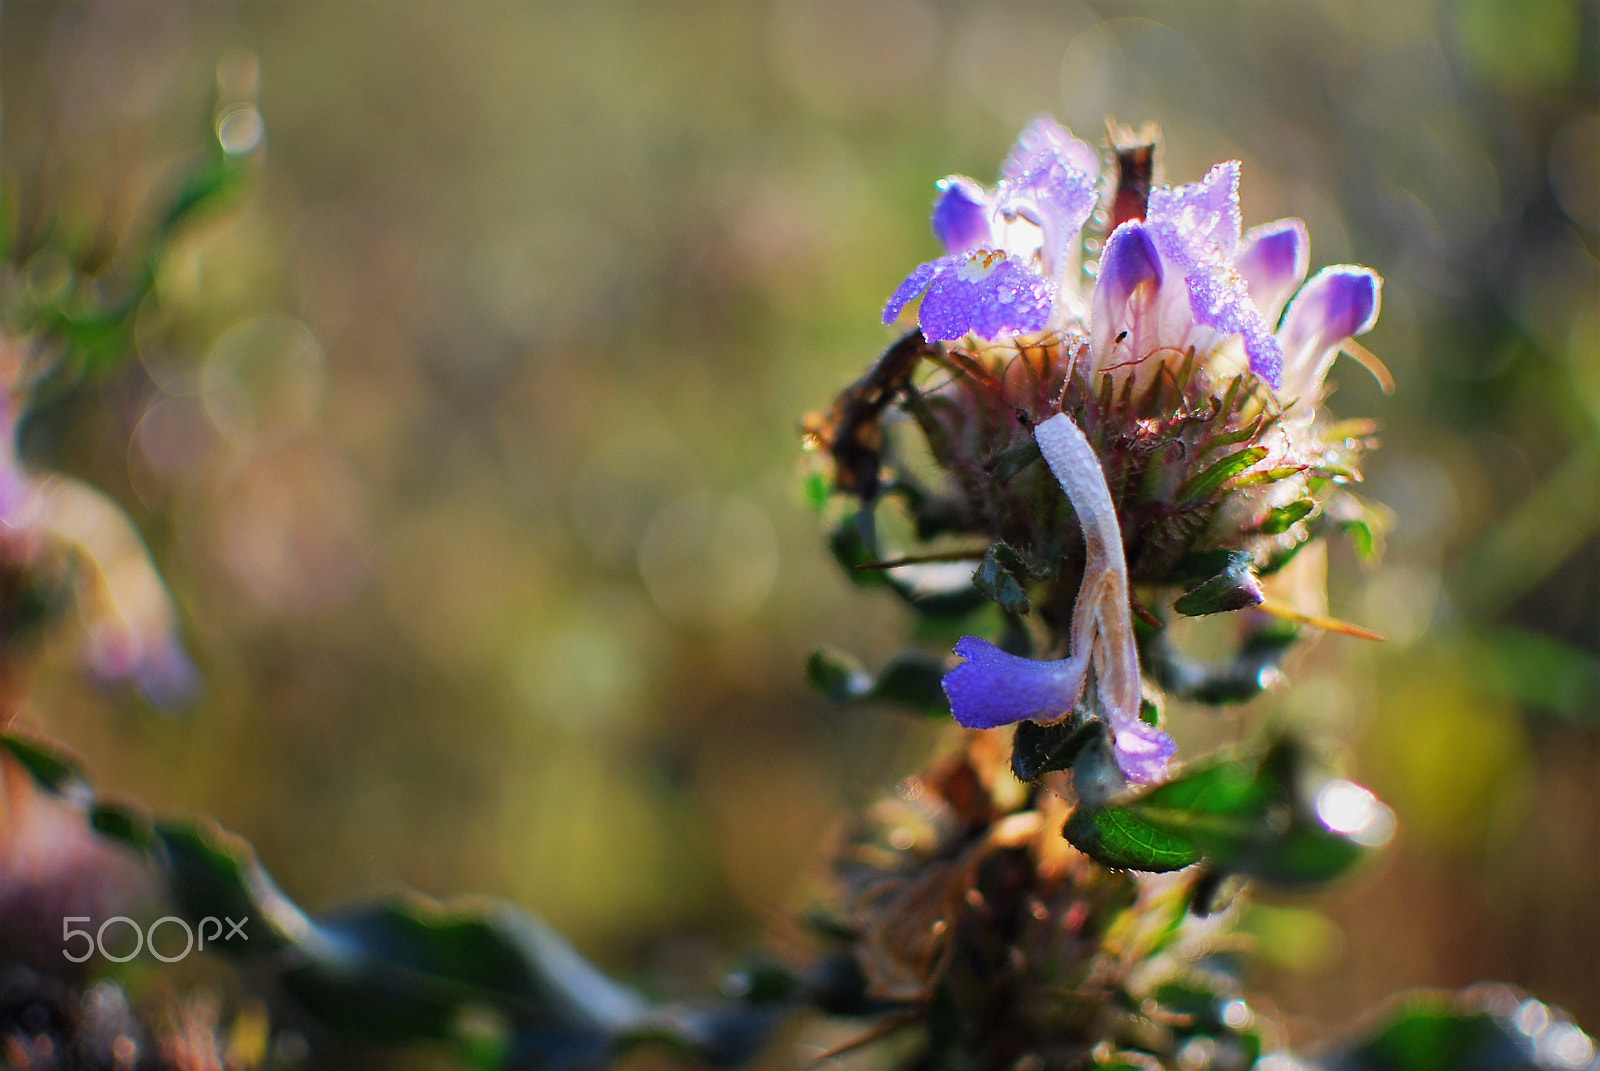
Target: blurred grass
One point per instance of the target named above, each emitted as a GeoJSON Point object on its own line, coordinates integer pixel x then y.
{"type": "Point", "coordinates": [514, 336]}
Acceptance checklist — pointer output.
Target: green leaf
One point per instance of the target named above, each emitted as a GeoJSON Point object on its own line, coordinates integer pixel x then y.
{"type": "Point", "coordinates": [910, 678]}
{"type": "Point", "coordinates": [1362, 539]}
{"type": "Point", "coordinates": [850, 550]}
{"type": "Point", "coordinates": [123, 824]}
{"type": "Point", "coordinates": [1241, 818]}
{"type": "Point", "coordinates": [1240, 678]}
{"type": "Point", "coordinates": [914, 680]}
{"type": "Point", "coordinates": [837, 675]}
{"type": "Point", "coordinates": [215, 874]}
{"type": "Point", "coordinates": [408, 968]}
{"type": "Point", "coordinates": [1117, 838]}
{"type": "Point", "coordinates": [1233, 587]}
{"type": "Point", "coordinates": [53, 768]}
{"type": "Point", "coordinates": [1209, 480]}
{"type": "Point", "coordinates": [932, 594]}
{"type": "Point", "coordinates": [1002, 577]}
{"type": "Point", "coordinates": [1466, 1031]}
{"type": "Point", "coordinates": [1037, 749]}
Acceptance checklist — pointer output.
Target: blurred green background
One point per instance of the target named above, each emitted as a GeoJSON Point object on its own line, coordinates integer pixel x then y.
{"type": "Point", "coordinates": [469, 442]}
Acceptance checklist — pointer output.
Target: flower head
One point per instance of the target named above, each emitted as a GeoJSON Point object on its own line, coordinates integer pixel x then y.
{"type": "Point", "coordinates": [1195, 365]}
{"type": "Point", "coordinates": [1009, 249]}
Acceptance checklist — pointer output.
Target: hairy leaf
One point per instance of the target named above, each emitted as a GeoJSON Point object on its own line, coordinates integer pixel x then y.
{"type": "Point", "coordinates": [1241, 818]}
{"type": "Point", "coordinates": [1037, 749]}
{"type": "Point", "coordinates": [1002, 577]}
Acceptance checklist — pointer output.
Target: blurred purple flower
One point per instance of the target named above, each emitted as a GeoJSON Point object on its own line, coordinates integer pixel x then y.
{"type": "Point", "coordinates": [1009, 250]}
{"type": "Point", "coordinates": [131, 630]}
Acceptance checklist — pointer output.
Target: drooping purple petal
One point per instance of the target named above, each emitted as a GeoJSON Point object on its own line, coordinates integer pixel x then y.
{"type": "Point", "coordinates": [1339, 302]}
{"type": "Point", "coordinates": [1102, 616]}
{"type": "Point", "coordinates": [1142, 752]}
{"type": "Point", "coordinates": [1044, 132]}
{"type": "Point", "coordinates": [985, 293]}
{"type": "Point", "coordinates": [915, 284]}
{"type": "Point", "coordinates": [1220, 301]}
{"type": "Point", "coordinates": [992, 688]}
{"type": "Point", "coordinates": [961, 215]}
{"type": "Point", "coordinates": [1273, 259]}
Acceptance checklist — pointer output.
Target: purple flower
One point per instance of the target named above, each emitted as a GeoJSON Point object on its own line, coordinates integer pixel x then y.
{"type": "Point", "coordinates": [1185, 277]}
{"type": "Point", "coordinates": [993, 688]}
{"type": "Point", "coordinates": [1010, 249]}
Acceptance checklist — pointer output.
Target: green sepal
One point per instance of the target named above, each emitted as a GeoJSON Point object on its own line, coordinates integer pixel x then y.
{"type": "Point", "coordinates": [1038, 749]}
{"type": "Point", "coordinates": [1002, 576]}
{"type": "Point", "coordinates": [1209, 480]}
{"type": "Point", "coordinates": [1281, 519]}
{"type": "Point", "coordinates": [1233, 587]}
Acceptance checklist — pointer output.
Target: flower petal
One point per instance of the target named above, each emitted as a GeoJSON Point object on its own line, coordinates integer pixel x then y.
{"type": "Point", "coordinates": [993, 688]}
{"type": "Point", "coordinates": [985, 293]}
{"type": "Point", "coordinates": [1220, 301]}
{"type": "Point", "coordinates": [1044, 132]}
{"type": "Point", "coordinates": [1196, 227]}
{"type": "Point", "coordinates": [961, 215]}
{"type": "Point", "coordinates": [1338, 303]}
{"type": "Point", "coordinates": [1273, 259]}
{"type": "Point", "coordinates": [1102, 617]}
{"type": "Point", "coordinates": [1055, 196]}
{"type": "Point", "coordinates": [1142, 752]}
{"type": "Point", "coordinates": [1204, 214]}
{"type": "Point", "coordinates": [1122, 309]}
{"type": "Point", "coordinates": [915, 284]}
